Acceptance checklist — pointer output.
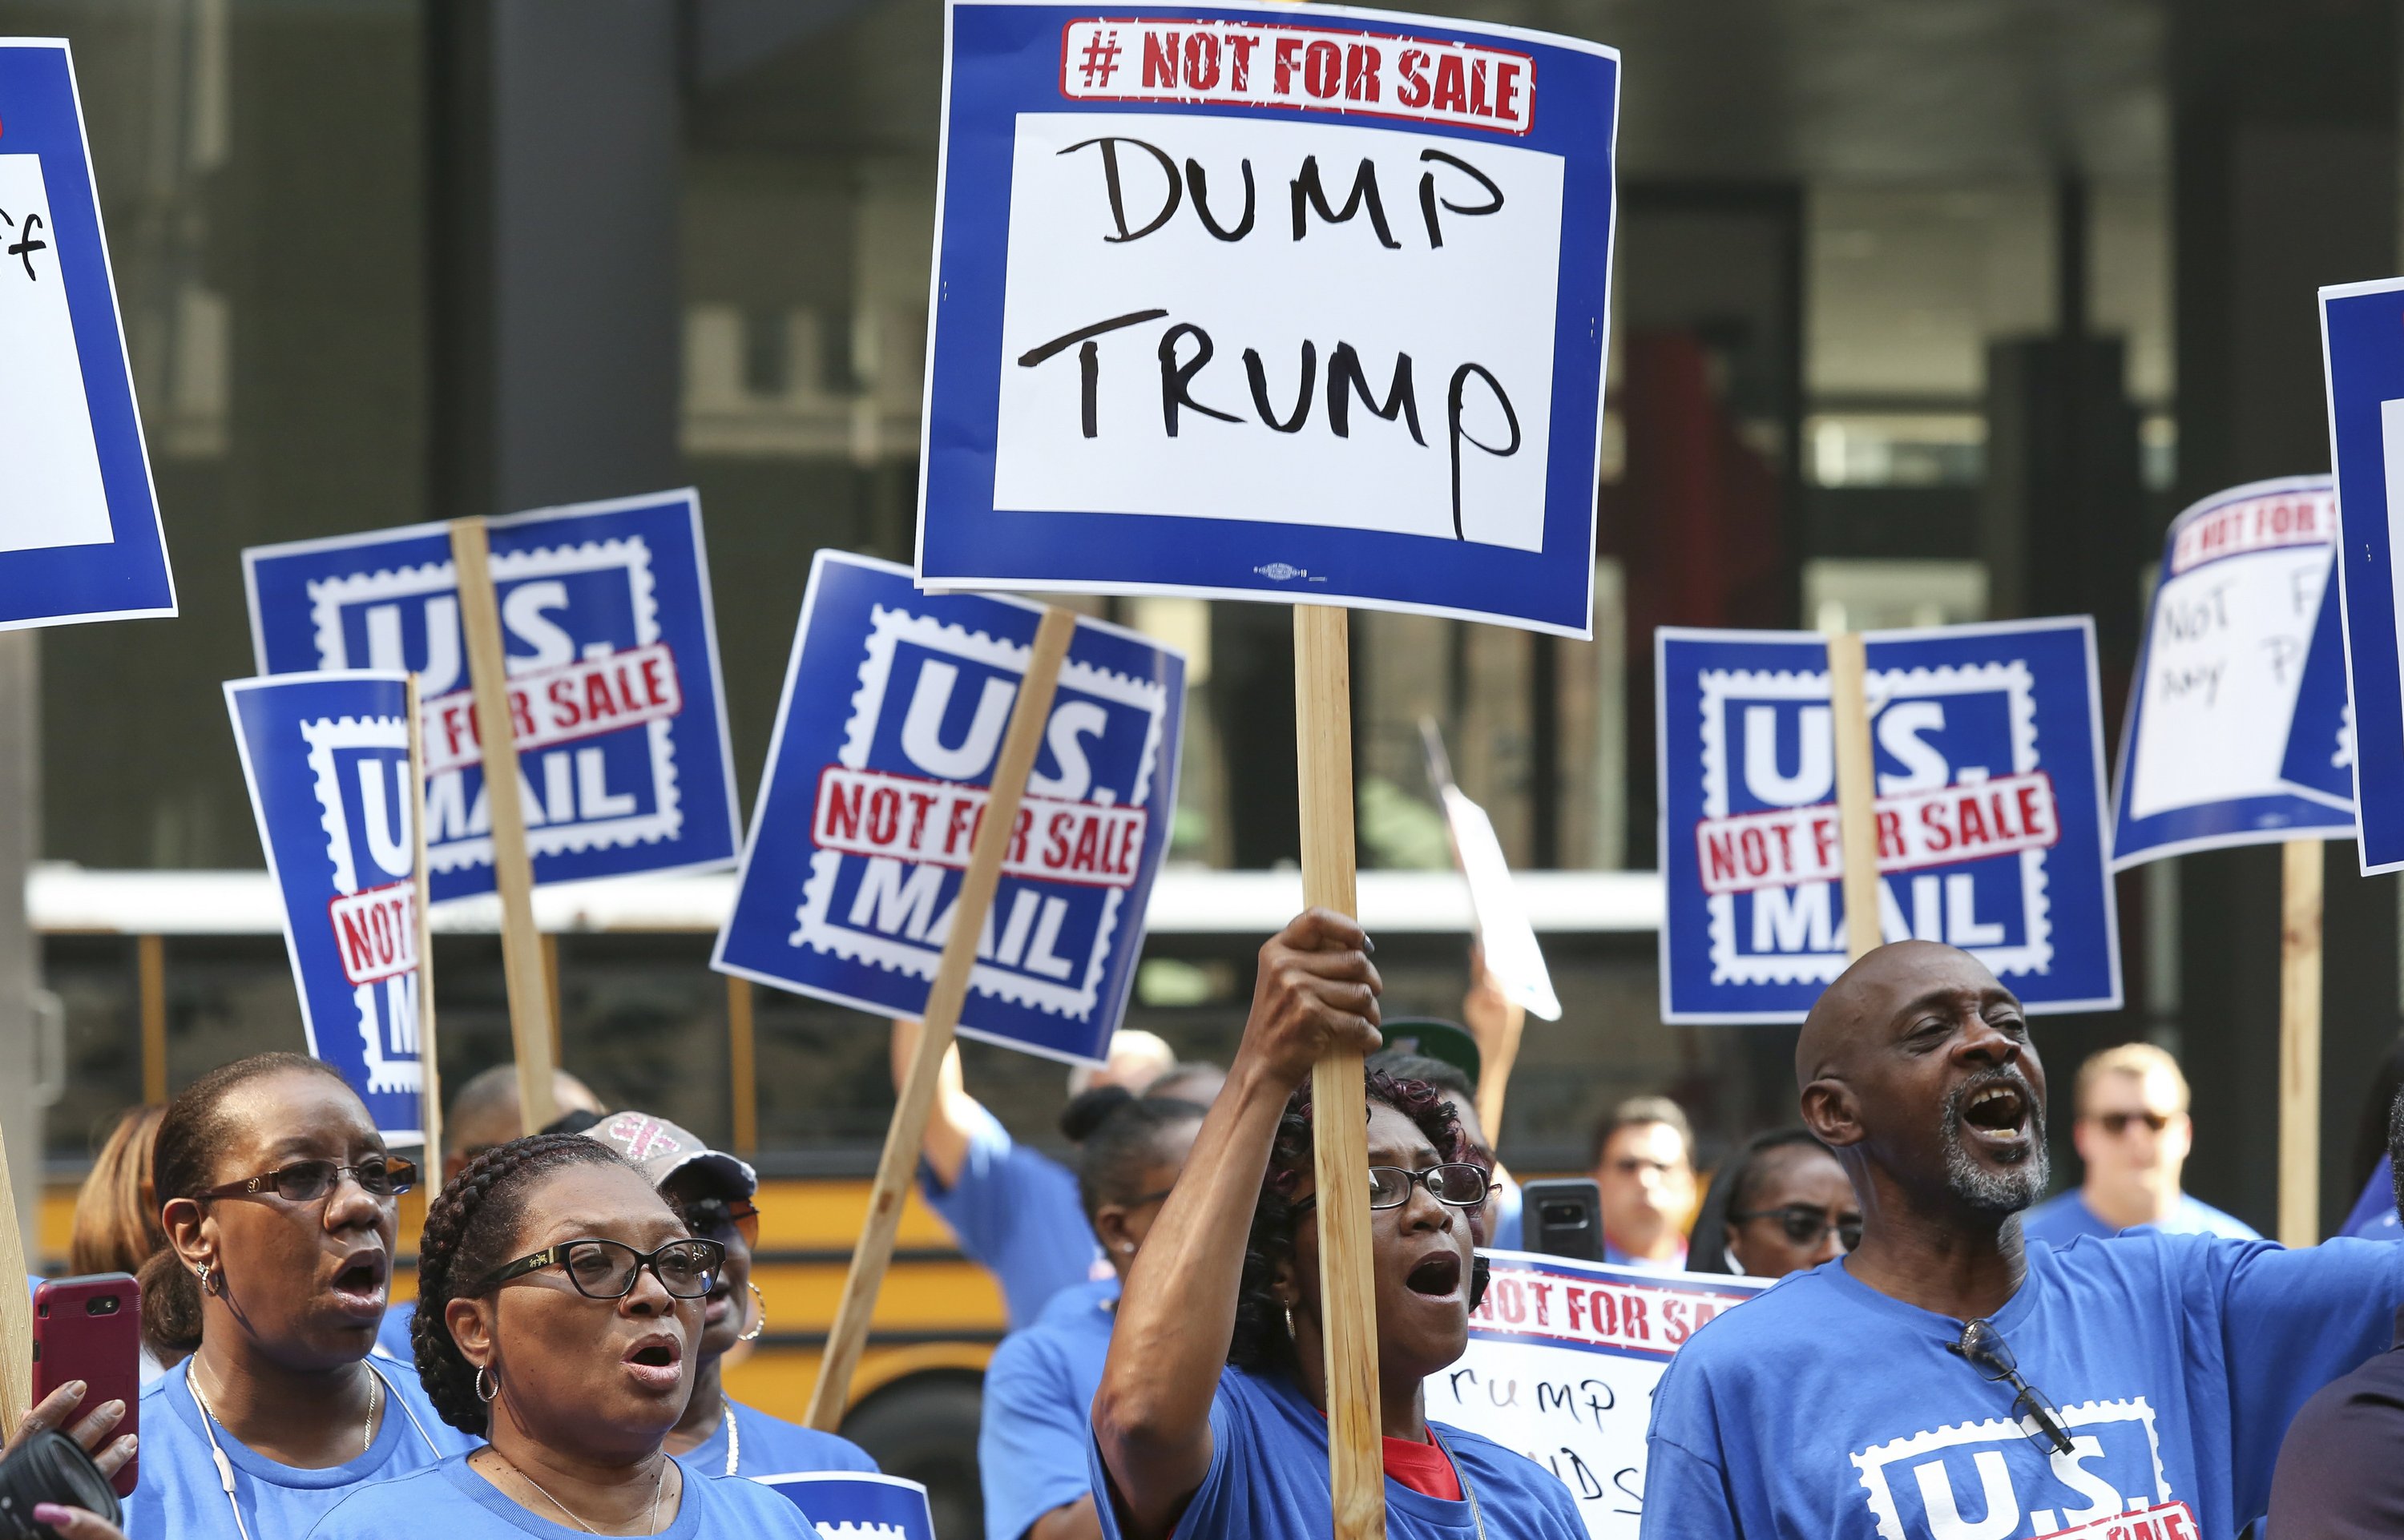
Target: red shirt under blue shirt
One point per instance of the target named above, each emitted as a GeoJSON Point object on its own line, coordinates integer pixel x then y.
{"type": "Point", "coordinates": [1826, 1409]}
{"type": "Point", "coordinates": [1268, 1479]}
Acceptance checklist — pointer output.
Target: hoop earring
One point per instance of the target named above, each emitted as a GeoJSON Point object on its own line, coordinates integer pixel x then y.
{"type": "Point", "coordinates": [762, 1299]}
{"type": "Point", "coordinates": [484, 1375]}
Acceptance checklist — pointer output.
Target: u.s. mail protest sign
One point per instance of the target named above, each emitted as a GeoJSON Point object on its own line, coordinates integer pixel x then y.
{"type": "Point", "coordinates": [1990, 813]}
{"type": "Point", "coordinates": [79, 532]}
{"type": "Point", "coordinates": [1270, 303]}
{"type": "Point", "coordinates": [614, 695]}
{"type": "Point", "coordinates": [857, 1505]}
{"type": "Point", "coordinates": [2362, 352]}
{"type": "Point", "coordinates": [326, 759]}
{"type": "Point", "coordinates": [894, 707]}
{"type": "Point", "coordinates": [1561, 1363]}
{"type": "Point", "coordinates": [2240, 684]}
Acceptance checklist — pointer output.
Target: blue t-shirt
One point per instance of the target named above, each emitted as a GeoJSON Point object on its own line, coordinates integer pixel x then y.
{"type": "Point", "coordinates": [1825, 1409]}
{"type": "Point", "coordinates": [391, 1338]}
{"type": "Point", "coordinates": [1268, 1479]}
{"type": "Point", "coordinates": [772, 1447]}
{"type": "Point", "coordinates": [1015, 1213]}
{"type": "Point", "coordinates": [457, 1504]}
{"type": "Point", "coordinates": [2059, 1221]}
{"type": "Point", "coordinates": [2374, 1212]}
{"type": "Point", "coordinates": [179, 1494]}
{"type": "Point", "coordinates": [1038, 1409]}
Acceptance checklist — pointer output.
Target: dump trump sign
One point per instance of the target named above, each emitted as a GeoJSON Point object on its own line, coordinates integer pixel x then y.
{"type": "Point", "coordinates": [894, 710]}
{"type": "Point", "coordinates": [1270, 304]}
{"type": "Point", "coordinates": [1990, 813]}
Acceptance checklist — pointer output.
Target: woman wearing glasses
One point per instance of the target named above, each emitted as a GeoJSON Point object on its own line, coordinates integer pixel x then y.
{"type": "Point", "coordinates": [278, 1203]}
{"type": "Point", "coordinates": [1780, 1205]}
{"type": "Point", "coordinates": [713, 1190]}
{"type": "Point", "coordinates": [1210, 1418]}
{"type": "Point", "coordinates": [559, 1302]}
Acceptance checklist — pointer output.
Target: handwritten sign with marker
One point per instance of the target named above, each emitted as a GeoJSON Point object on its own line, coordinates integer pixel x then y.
{"type": "Point", "coordinates": [1989, 816]}
{"type": "Point", "coordinates": [1561, 1363]}
{"type": "Point", "coordinates": [2240, 681]}
{"type": "Point", "coordinates": [80, 531]}
{"type": "Point", "coordinates": [1270, 307]}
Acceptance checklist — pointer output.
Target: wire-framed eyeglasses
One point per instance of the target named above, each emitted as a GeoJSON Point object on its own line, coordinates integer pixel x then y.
{"type": "Point", "coordinates": [1992, 1357]}
{"type": "Point", "coordinates": [607, 1269]}
{"type": "Point", "coordinates": [1455, 1183]}
{"type": "Point", "coordinates": [1806, 1225]}
{"type": "Point", "coordinates": [307, 1181]}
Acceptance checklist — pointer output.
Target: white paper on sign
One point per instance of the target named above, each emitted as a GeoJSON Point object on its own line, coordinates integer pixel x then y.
{"type": "Point", "coordinates": [1277, 276]}
{"type": "Point", "coordinates": [52, 493]}
{"type": "Point", "coordinates": [2226, 661]}
{"type": "Point", "coordinates": [1512, 955]}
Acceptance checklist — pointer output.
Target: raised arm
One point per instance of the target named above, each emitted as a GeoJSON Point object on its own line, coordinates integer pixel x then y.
{"type": "Point", "coordinates": [1494, 1020]}
{"type": "Point", "coordinates": [946, 1144]}
{"type": "Point", "coordinates": [1316, 992]}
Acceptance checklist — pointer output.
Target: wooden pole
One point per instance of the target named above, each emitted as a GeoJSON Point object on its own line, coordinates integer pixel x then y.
{"type": "Point", "coordinates": [429, 1069]}
{"type": "Point", "coordinates": [944, 997]}
{"type": "Point", "coordinates": [16, 1312]}
{"type": "Point", "coordinates": [1856, 789]}
{"type": "Point", "coordinates": [150, 969]}
{"type": "Point", "coordinates": [743, 1066]}
{"type": "Point", "coordinates": [529, 987]}
{"type": "Point", "coordinates": [1348, 1306]}
{"type": "Point", "coordinates": [2299, 1045]}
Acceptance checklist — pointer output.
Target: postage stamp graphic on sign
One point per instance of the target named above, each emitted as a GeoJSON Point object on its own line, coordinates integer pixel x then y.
{"type": "Point", "coordinates": [360, 770]}
{"type": "Point", "coordinates": [1967, 818]}
{"type": "Point", "coordinates": [593, 691]}
{"type": "Point", "coordinates": [1953, 1481]}
{"type": "Point", "coordinates": [893, 827]}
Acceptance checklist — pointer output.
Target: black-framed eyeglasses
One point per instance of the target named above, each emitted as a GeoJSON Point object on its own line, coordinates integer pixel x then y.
{"type": "Point", "coordinates": [307, 1181]}
{"type": "Point", "coordinates": [607, 1269]}
{"type": "Point", "coordinates": [1992, 1357]}
{"type": "Point", "coordinates": [1457, 1183]}
{"type": "Point", "coordinates": [1806, 1225]}
{"type": "Point", "coordinates": [723, 1216]}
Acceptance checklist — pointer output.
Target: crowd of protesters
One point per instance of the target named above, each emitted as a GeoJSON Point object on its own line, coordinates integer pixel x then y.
{"type": "Point", "coordinates": [579, 1289]}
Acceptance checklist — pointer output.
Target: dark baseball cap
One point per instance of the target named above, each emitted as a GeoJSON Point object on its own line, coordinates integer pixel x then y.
{"type": "Point", "coordinates": [660, 1149]}
{"type": "Point", "coordinates": [1434, 1037]}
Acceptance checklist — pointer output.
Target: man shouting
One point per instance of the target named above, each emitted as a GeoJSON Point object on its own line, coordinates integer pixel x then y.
{"type": "Point", "coordinates": [1948, 1381]}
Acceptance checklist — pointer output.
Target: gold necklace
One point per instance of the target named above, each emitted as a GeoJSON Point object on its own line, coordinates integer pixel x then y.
{"type": "Point", "coordinates": [651, 1525]}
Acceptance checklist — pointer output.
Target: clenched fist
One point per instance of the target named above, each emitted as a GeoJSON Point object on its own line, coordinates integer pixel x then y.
{"type": "Point", "coordinates": [1317, 993]}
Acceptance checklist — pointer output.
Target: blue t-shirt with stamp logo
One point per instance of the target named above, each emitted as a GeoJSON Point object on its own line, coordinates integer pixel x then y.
{"type": "Point", "coordinates": [1268, 1479]}
{"type": "Point", "coordinates": [1825, 1409]}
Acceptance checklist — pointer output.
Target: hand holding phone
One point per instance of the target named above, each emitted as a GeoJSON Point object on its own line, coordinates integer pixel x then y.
{"type": "Point", "coordinates": [90, 1330]}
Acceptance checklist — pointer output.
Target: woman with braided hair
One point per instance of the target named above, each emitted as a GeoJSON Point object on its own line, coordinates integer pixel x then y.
{"type": "Point", "coordinates": [279, 1204]}
{"type": "Point", "coordinates": [559, 1310]}
{"type": "Point", "coordinates": [1210, 1421]}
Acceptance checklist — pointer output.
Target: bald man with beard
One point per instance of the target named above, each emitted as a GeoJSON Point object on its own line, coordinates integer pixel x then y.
{"type": "Point", "coordinates": [1948, 1381]}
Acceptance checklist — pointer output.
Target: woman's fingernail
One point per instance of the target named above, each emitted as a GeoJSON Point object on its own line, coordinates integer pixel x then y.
{"type": "Point", "coordinates": [75, 1388]}
{"type": "Point", "coordinates": [110, 1411]}
{"type": "Point", "coordinates": [51, 1515]}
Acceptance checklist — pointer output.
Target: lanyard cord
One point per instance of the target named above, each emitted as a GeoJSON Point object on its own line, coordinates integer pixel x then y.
{"type": "Point", "coordinates": [225, 1466]}
{"type": "Point", "coordinates": [1462, 1477]}
{"type": "Point", "coordinates": [733, 1439]}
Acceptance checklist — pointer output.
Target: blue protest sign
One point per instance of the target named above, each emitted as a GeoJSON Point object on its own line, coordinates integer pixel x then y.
{"type": "Point", "coordinates": [2236, 732]}
{"type": "Point", "coordinates": [327, 759]}
{"type": "Point", "coordinates": [79, 532]}
{"type": "Point", "coordinates": [617, 707]}
{"type": "Point", "coordinates": [2362, 356]}
{"type": "Point", "coordinates": [893, 712]}
{"type": "Point", "coordinates": [850, 1505]}
{"type": "Point", "coordinates": [1991, 816]}
{"type": "Point", "coordinates": [1270, 304]}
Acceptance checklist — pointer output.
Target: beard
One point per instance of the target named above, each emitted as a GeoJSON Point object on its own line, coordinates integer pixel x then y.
{"type": "Point", "coordinates": [2005, 1192]}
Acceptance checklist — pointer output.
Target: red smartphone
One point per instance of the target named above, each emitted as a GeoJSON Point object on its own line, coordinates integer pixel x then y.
{"type": "Point", "coordinates": [90, 1329]}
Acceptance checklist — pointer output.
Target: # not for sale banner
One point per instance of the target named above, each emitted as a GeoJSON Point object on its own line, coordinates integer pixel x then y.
{"type": "Point", "coordinates": [1272, 304]}
{"type": "Point", "coordinates": [1561, 1363]}
{"type": "Point", "coordinates": [1990, 813]}
{"type": "Point", "coordinates": [79, 532]}
{"type": "Point", "coordinates": [326, 759]}
{"type": "Point", "coordinates": [2239, 729]}
{"type": "Point", "coordinates": [614, 690]}
{"type": "Point", "coordinates": [894, 709]}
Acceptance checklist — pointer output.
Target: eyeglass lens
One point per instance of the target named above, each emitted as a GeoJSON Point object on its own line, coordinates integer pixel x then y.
{"type": "Point", "coordinates": [607, 1269]}
{"type": "Point", "coordinates": [1807, 1226]}
{"type": "Point", "coordinates": [307, 1181]}
{"type": "Point", "coordinates": [719, 1218]}
{"type": "Point", "coordinates": [1460, 1184]}
{"type": "Point", "coordinates": [2116, 1124]}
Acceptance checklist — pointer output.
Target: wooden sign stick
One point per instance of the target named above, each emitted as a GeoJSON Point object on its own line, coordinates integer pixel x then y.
{"type": "Point", "coordinates": [429, 1094]}
{"type": "Point", "coordinates": [1347, 1305]}
{"type": "Point", "coordinates": [949, 992]}
{"type": "Point", "coordinates": [479, 617]}
{"type": "Point", "coordinates": [2299, 1045]}
{"type": "Point", "coordinates": [1856, 789]}
{"type": "Point", "coordinates": [16, 1312]}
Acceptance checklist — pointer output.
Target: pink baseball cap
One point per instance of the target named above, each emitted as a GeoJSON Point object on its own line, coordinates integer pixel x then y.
{"type": "Point", "coordinates": [660, 1149]}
